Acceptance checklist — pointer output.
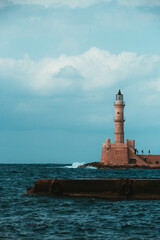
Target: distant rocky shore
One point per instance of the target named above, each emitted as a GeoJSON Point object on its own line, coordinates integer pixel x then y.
{"type": "Point", "coordinates": [99, 165]}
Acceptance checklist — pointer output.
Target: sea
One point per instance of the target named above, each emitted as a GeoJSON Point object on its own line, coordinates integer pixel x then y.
{"type": "Point", "coordinates": [51, 218]}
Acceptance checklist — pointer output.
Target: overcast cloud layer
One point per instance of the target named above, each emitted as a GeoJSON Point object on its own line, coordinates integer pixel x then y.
{"type": "Point", "coordinates": [82, 3]}
{"type": "Point", "coordinates": [93, 70]}
{"type": "Point", "coordinates": [61, 64]}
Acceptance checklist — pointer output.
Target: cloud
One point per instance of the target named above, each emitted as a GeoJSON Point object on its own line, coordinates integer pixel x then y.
{"type": "Point", "coordinates": [82, 3]}
{"type": "Point", "coordinates": [4, 3]}
{"type": "Point", "coordinates": [136, 3]}
{"type": "Point", "coordinates": [60, 3]}
{"type": "Point", "coordinates": [156, 84]}
{"type": "Point", "coordinates": [93, 70]}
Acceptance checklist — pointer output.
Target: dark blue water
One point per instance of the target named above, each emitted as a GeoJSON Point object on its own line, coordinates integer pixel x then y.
{"type": "Point", "coordinates": [50, 218]}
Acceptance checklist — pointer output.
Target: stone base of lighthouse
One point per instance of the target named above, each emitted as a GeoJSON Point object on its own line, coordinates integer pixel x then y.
{"type": "Point", "coordinates": [124, 154]}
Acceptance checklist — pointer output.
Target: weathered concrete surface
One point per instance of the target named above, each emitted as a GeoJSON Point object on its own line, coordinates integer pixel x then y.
{"type": "Point", "coordinates": [107, 188]}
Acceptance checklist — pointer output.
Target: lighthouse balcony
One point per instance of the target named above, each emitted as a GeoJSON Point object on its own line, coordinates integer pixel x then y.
{"type": "Point", "coordinates": [119, 120]}
{"type": "Point", "coordinates": [119, 103]}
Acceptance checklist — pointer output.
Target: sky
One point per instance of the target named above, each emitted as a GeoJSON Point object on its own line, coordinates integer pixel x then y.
{"type": "Point", "coordinates": [61, 64]}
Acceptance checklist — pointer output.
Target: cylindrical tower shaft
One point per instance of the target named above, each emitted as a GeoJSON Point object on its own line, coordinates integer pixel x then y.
{"type": "Point", "coordinates": [119, 118]}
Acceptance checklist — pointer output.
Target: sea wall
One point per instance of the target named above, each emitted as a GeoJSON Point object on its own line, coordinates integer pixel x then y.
{"type": "Point", "coordinates": [150, 159]}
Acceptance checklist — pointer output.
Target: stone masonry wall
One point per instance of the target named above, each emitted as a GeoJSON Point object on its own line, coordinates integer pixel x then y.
{"type": "Point", "coordinates": [115, 154]}
{"type": "Point", "coordinates": [124, 154]}
{"type": "Point", "coordinates": [151, 159]}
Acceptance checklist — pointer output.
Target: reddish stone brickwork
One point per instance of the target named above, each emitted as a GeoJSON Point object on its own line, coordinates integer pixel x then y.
{"type": "Point", "coordinates": [120, 153]}
{"type": "Point", "coordinates": [124, 154]}
{"type": "Point", "coordinates": [119, 120]}
{"type": "Point", "coordinates": [114, 153]}
{"type": "Point", "coordinates": [151, 159]}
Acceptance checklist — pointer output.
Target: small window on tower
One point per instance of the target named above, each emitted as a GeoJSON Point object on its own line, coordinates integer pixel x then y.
{"type": "Point", "coordinates": [118, 112]}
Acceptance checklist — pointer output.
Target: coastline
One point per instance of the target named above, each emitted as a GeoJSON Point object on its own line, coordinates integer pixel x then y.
{"type": "Point", "coordinates": [99, 165]}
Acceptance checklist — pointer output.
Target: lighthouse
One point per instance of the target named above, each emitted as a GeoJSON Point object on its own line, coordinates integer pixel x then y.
{"type": "Point", "coordinates": [122, 153]}
{"type": "Point", "coordinates": [119, 118]}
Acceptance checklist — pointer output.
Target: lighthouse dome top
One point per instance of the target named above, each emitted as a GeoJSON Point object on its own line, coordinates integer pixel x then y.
{"type": "Point", "coordinates": [119, 96]}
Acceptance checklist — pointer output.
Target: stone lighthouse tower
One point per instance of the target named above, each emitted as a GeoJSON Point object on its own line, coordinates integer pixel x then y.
{"type": "Point", "coordinates": [120, 153]}
{"type": "Point", "coordinates": [119, 118]}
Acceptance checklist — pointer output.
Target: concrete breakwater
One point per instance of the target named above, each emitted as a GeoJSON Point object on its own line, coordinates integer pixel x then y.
{"type": "Point", "coordinates": [107, 188]}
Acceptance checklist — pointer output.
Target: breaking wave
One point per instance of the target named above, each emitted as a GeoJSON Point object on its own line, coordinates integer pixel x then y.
{"type": "Point", "coordinates": [75, 165]}
{"type": "Point", "coordinates": [90, 167]}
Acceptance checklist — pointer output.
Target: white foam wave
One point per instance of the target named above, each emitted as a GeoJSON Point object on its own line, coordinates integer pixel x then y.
{"type": "Point", "coordinates": [90, 167]}
{"type": "Point", "coordinates": [75, 165]}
